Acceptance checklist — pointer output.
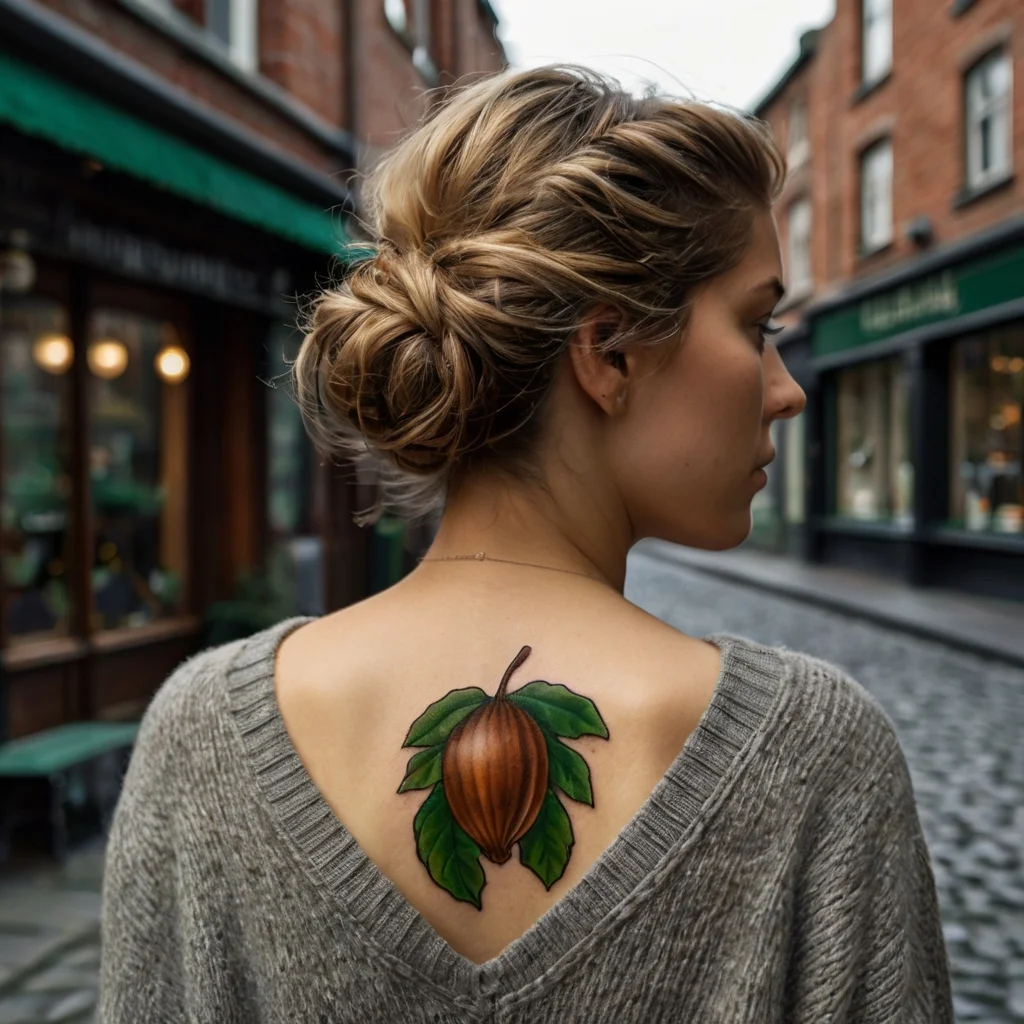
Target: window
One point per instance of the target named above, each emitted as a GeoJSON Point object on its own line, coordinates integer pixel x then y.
{"type": "Point", "coordinates": [234, 24]}
{"type": "Point", "coordinates": [138, 459]}
{"type": "Point", "coordinates": [800, 277]}
{"type": "Point", "coordinates": [874, 474]}
{"type": "Point", "coordinates": [876, 196]}
{"type": "Point", "coordinates": [876, 59]}
{"type": "Point", "coordinates": [988, 122]}
{"type": "Point", "coordinates": [798, 146]}
{"type": "Point", "coordinates": [35, 506]}
{"type": "Point", "coordinates": [411, 20]}
{"type": "Point", "coordinates": [987, 478]}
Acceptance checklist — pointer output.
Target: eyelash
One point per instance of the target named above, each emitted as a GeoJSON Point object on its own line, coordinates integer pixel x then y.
{"type": "Point", "coordinates": [764, 329]}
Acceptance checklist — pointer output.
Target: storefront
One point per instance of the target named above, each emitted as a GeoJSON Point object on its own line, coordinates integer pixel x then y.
{"type": "Point", "coordinates": [149, 464]}
{"type": "Point", "coordinates": [916, 386]}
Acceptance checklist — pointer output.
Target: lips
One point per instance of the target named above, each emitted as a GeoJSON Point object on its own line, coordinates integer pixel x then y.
{"type": "Point", "coordinates": [767, 462]}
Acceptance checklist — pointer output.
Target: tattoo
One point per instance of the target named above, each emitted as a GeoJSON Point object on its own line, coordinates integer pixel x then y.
{"type": "Point", "coordinates": [492, 765]}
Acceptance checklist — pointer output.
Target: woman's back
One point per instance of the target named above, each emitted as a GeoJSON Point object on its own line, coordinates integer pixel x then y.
{"type": "Point", "coordinates": [349, 686]}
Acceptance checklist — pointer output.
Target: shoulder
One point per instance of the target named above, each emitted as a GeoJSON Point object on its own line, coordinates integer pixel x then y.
{"type": "Point", "coordinates": [193, 697]}
{"type": "Point", "coordinates": [824, 714]}
{"type": "Point", "coordinates": [844, 716]}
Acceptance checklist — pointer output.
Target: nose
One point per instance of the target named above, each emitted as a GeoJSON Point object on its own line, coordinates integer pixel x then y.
{"type": "Point", "coordinates": [783, 398]}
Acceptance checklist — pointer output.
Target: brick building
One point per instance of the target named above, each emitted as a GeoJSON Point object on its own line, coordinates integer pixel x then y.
{"type": "Point", "coordinates": [172, 174]}
{"type": "Point", "coordinates": [902, 226]}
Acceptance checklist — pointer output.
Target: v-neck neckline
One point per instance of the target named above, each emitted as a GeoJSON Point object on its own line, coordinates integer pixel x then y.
{"type": "Point", "coordinates": [743, 696]}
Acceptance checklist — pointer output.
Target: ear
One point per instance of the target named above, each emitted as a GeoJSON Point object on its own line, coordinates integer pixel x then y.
{"type": "Point", "coordinates": [604, 376]}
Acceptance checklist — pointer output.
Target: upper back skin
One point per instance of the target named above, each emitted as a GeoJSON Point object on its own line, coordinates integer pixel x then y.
{"type": "Point", "coordinates": [350, 684]}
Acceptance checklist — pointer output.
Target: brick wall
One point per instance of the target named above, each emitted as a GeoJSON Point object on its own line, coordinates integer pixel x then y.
{"type": "Point", "coordinates": [303, 49]}
{"type": "Point", "coordinates": [920, 106]}
{"type": "Point", "coordinates": [162, 55]}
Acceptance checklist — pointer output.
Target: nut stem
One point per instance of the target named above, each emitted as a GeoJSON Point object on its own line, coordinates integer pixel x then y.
{"type": "Point", "coordinates": [516, 662]}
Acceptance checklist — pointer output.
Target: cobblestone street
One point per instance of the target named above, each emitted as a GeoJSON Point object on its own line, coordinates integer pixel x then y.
{"type": "Point", "coordinates": [960, 719]}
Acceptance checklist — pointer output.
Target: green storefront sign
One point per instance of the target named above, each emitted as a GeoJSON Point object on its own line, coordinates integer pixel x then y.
{"type": "Point", "coordinates": [39, 104]}
{"type": "Point", "coordinates": [955, 291]}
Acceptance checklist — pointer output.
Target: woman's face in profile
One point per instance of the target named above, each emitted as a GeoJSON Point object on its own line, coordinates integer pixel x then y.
{"type": "Point", "coordinates": [687, 453]}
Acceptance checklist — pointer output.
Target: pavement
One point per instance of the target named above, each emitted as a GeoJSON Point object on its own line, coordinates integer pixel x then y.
{"type": "Point", "coordinates": [49, 939]}
{"type": "Point", "coordinates": [984, 626]}
{"type": "Point", "coordinates": [948, 669]}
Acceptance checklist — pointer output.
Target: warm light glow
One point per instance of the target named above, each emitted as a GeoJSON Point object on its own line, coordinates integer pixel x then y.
{"type": "Point", "coordinates": [172, 363]}
{"type": "Point", "coordinates": [53, 353]}
{"type": "Point", "coordinates": [107, 359]}
{"type": "Point", "coordinates": [1016, 364]}
{"type": "Point", "coordinates": [1000, 364]}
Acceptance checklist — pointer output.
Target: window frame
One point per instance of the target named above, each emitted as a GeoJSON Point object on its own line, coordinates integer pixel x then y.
{"type": "Point", "coordinates": [974, 178]}
{"type": "Point", "coordinates": [868, 156]}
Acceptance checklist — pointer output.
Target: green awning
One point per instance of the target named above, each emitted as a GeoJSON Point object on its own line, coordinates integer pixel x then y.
{"type": "Point", "coordinates": [38, 104]}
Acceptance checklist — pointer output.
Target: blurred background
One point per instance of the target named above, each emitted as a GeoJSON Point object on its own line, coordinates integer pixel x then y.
{"type": "Point", "coordinates": [174, 174]}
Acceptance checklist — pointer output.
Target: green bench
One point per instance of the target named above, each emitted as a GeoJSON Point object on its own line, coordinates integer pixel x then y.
{"type": "Point", "coordinates": [71, 766]}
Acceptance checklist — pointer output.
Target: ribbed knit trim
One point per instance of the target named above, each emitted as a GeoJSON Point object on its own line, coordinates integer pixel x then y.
{"type": "Point", "coordinates": [746, 690]}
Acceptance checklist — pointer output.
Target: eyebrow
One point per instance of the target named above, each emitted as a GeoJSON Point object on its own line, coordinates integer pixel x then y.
{"type": "Point", "coordinates": [774, 284]}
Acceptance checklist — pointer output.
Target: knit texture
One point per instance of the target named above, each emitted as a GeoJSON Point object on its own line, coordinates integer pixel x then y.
{"type": "Point", "coordinates": [777, 873]}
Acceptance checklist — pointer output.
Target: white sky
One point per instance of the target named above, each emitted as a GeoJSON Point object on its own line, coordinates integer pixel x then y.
{"type": "Point", "coordinates": [727, 50]}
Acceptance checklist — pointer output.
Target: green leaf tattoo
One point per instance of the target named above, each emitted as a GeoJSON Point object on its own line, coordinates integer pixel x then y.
{"type": "Point", "coordinates": [434, 725]}
{"type": "Point", "coordinates": [568, 771]}
{"type": "Point", "coordinates": [545, 848]}
{"type": "Point", "coordinates": [559, 710]}
{"type": "Point", "coordinates": [424, 769]}
{"type": "Point", "coordinates": [492, 765]}
{"type": "Point", "coordinates": [451, 857]}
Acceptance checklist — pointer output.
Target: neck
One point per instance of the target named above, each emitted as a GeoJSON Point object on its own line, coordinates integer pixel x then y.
{"type": "Point", "coordinates": [551, 527]}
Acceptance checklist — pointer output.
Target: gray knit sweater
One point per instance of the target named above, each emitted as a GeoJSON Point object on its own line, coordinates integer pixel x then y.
{"type": "Point", "coordinates": [777, 873]}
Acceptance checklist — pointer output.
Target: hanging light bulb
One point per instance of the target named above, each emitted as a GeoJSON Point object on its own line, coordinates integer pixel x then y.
{"type": "Point", "coordinates": [172, 363]}
{"type": "Point", "coordinates": [107, 359]}
{"type": "Point", "coordinates": [53, 353]}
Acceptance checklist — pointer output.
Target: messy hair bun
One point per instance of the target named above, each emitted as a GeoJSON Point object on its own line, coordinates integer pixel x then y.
{"type": "Point", "coordinates": [522, 202]}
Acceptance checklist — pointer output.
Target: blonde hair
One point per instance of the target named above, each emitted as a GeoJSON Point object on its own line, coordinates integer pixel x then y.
{"type": "Point", "coordinates": [520, 204]}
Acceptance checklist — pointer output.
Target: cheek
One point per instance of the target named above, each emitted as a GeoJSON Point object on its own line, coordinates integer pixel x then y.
{"type": "Point", "coordinates": [697, 427]}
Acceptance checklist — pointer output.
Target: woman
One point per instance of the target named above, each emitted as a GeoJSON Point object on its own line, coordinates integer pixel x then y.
{"type": "Point", "coordinates": [498, 790]}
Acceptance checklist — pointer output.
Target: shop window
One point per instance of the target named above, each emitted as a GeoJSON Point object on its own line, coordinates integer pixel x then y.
{"type": "Point", "coordinates": [987, 491]}
{"type": "Point", "coordinates": [988, 122]}
{"type": "Point", "coordinates": [294, 489]}
{"type": "Point", "coordinates": [35, 508]}
{"type": "Point", "coordinates": [874, 472]}
{"type": "Point", "coordinates": [798, 147]}
{"type": "Point", "coordinates": [138, 456]}
{"type": "Point", "coordinates": [765, 514]}
{"type": "Point", "coordinates": [799, 237]}
{"type": "Point", "coordinates": [876, 54]}
{"type": "Point", "coordinates": [794, 464]}
{"type": "Point", "coordinates": [876, 196]}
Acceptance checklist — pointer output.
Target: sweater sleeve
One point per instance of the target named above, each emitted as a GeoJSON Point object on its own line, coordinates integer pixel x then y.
{"type": "Point", "coordinates": [141, 975]}
{"type": "Point", "coordinates": [868, 946]}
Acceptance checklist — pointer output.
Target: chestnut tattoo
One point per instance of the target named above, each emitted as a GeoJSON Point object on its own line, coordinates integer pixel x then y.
{"type": "Point", "coordinates": [493, 765]}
